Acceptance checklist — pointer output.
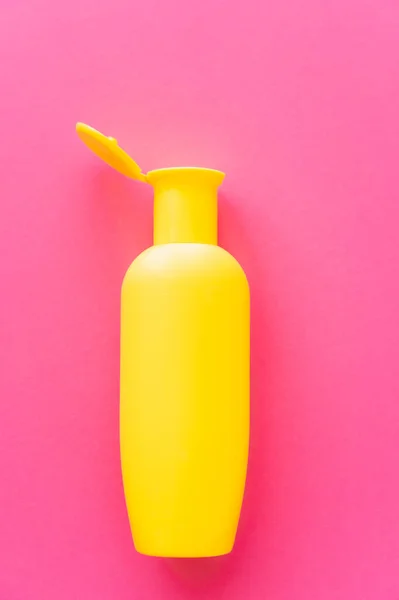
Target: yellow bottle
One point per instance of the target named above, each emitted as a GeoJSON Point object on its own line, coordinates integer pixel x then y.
{"type": "Point", "coordinates": [184, 413]}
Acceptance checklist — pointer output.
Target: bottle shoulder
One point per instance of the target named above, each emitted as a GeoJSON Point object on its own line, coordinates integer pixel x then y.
{"type": "Point", "coordinates": [185, 260]}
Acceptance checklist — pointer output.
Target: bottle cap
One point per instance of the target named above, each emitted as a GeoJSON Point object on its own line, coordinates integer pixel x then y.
{"type": "Point", "coordinates": [108, 150]}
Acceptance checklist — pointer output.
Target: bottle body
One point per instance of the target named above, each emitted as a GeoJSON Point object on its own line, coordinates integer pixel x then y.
{"type": "Point", "coordinates": [184, 398]}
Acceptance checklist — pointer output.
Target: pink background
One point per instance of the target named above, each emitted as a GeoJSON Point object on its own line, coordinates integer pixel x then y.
{"type": "Point", "coordinates": [298, 101]}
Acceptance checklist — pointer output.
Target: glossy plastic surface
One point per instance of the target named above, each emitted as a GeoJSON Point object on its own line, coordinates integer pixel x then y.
{"type": "Point", "coordinates": [184, 398]}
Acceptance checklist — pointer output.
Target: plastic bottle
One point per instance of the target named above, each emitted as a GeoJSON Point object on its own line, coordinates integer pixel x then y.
{"type": "Point", "coordinates": [184, 406]}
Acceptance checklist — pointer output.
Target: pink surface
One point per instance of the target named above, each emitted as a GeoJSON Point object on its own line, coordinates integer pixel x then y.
{"type": "Point", "coordinates": [298, 102]}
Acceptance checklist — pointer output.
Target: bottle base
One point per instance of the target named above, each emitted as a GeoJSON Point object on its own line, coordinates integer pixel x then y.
{"type": "Point", "coordinates": [180, 553]}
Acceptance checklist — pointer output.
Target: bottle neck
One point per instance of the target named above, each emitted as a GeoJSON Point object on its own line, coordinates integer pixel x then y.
{"type": "Point", "coordinates": [185, 205]}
